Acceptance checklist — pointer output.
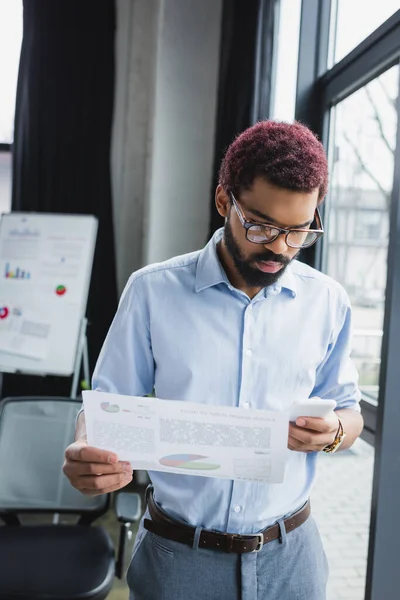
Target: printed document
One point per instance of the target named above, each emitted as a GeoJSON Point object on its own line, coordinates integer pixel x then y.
{"type": "Point", "coordinates": [189, 438]}
{"type": "Point", "coordinates": [25, 333]}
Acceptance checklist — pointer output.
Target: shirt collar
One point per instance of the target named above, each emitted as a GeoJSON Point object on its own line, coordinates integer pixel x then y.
{"type": "Point", "coordinates": [210, 272]}
{"type": "Point", "coordinates": [288, 281]}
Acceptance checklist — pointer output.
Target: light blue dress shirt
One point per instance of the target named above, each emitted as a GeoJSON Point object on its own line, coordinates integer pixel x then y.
{"type": "Point", "coordinates": [183, 329]}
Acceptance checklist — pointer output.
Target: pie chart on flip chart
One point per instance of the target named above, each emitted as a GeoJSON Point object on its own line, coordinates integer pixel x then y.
{"type": "Point", "coordinates": [61, 290]}
{"type": "Point", "coordinates": [4, 312]}
{"type": "Point", "coordinates": [188, 461]}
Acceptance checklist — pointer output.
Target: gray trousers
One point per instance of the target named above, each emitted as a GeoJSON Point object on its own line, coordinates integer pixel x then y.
{"type": "Point", "coordinates": [292, 568]}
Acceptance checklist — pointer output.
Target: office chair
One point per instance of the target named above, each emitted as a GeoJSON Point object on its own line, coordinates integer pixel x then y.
{"type": "Point", "coordinates": [52, 561]}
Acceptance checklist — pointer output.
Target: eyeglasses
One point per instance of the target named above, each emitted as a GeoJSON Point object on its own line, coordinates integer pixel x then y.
{"type": "Point", "coordinates": [266, 234]}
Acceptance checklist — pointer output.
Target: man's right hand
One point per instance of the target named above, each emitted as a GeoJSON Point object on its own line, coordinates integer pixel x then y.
{"type": "Point", "coordinates": [93, 471]}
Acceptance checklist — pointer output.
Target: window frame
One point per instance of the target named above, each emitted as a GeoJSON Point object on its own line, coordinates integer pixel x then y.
{"type": "Point", "coordinates": [319, 89]}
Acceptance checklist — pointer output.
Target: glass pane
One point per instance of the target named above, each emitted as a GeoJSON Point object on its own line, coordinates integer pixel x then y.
{"type": "Point", "coordinates": [356, 20]}
{"type": "Point", "coordinates": [10, 48]}
{"type": "Point", "coordinates": [5, 182]}
{"type": "Point", "coordinates": [362, 149]}
{"type": "Point", "coordinates": [285, 68]}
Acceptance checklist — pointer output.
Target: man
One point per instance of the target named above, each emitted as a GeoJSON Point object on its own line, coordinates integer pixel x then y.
{"type": "Point", "coordinates": [239, 323]}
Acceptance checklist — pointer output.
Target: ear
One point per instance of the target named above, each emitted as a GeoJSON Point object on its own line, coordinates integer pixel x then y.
{"type": "Point", "coordinates": [222, 201]}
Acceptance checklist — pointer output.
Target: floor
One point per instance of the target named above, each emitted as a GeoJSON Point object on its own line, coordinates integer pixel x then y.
{"type": "Point", "coordinates": [109, 521]}
{"type": "Point", "coordinates": [341, 506]}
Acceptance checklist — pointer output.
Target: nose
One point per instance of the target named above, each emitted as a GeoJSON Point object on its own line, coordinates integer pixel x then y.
{"type": "Point", "coordinates": [279, 245]}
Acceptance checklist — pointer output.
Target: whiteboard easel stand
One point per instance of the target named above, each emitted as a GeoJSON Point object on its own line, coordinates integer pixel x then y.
{"type": "Point", "coordinates": [81, 359]}
{"type": "Point", "coordinates": [67, 350]}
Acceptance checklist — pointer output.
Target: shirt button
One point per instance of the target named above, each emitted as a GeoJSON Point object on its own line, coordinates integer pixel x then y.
{"type": "Point", "coordinates": [237, 508]}
{"type": "Point", "coordinates": [248, 352]}
{"type": "Point", "coordinates": [246, 405]}
{"type": "Point", "coordinates": [250, 307]}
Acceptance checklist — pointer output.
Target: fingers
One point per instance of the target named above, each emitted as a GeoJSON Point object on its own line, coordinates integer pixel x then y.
{"type": "Point", "coordinates": [298, 446]}
{"type": "Point", "coordinates": [80, 451]}
{"type": "Point", "coordinates": [113, 488]}
{"type": "Point", "coordinates": [325, 425]}
{"type": "Point", "coordinates": [308, 440]}
{"type": "Point", "coordinates": [93, 471]}
{"type": "Point", "coordinates": [101, 484]}
{"type": "Point", "coordinates": [77, 469]}
{"type": "Point", "coordinates": [295, 445]}
{"type": "Point", "coordinates": [309, 437]}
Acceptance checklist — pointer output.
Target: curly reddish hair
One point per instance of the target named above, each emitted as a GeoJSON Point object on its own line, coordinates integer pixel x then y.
{"type": "Point", "coordinates": [288, 155]}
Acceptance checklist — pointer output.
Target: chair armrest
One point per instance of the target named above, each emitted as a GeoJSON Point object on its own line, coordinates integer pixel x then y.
{"type": "Point", "coordinates": [128, 507]}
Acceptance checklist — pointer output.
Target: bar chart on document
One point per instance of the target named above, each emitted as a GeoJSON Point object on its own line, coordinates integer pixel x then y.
{"type": "Point", "coordinates": [45, 269]}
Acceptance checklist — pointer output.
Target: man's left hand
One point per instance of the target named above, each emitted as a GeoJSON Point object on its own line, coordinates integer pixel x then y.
{"type": "Point", "coordinates": [311, 434]}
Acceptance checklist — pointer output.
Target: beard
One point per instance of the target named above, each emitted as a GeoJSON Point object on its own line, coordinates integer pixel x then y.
{"type": "Point", "coordinates": [251, 275]}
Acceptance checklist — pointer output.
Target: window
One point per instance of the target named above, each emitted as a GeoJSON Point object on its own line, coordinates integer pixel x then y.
{"type": "Point", "coordinates": [371, 226]}
{"type": "Point", "coordinates": [362, 147]}
{"type": "Point", "coordinates": [353, 107]}
{"type": "Point", "coordinates": [10, 47]}
{"type": "Point", "coordinates": [354, 20]}
{"type": "Point", "coordinates": [285, 67]}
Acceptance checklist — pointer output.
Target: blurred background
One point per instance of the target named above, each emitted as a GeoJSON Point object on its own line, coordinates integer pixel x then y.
{"type": "Point", "coordinates": [123, 109]}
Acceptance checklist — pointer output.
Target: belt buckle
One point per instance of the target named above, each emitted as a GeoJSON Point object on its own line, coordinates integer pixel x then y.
{"type": "Point", "coordinates": [260, 544]}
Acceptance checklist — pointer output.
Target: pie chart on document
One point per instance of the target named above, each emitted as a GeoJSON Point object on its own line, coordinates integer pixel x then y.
{"type": "Point", "coordinates": [107, 407]}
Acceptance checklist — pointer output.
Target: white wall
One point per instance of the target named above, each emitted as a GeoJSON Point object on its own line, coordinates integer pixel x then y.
{"type": "Point", "coordinates": [5, 182]}
{"type": "Point", "coordinates": [136, 53]}
{"type": "Point", "coordinates": [183, 129]}
{"type": "Point", "coordinates": [167, 63]}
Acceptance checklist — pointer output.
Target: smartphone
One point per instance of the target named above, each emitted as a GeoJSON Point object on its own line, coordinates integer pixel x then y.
{"type": "Point", "coordinates": [313, 407]}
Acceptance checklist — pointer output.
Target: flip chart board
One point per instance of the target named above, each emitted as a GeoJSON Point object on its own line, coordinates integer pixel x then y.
{"type": "Point", "coordinates": [45, 269]}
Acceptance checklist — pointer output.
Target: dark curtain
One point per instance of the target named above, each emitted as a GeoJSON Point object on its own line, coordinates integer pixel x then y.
{"type": "Point", "coordinates": [61, 153]}
{"type": "Point", "coordinates": [245, 76]}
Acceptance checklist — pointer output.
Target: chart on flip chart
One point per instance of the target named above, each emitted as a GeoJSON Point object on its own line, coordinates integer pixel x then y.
{"type": "Point", "coordinates": [45, 270]}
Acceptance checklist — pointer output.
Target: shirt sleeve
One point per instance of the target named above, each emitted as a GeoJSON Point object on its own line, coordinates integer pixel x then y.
{"type": "Point", "coordinates": [337, 377]}
{"type": "Point", "coordinates": [126, 364]}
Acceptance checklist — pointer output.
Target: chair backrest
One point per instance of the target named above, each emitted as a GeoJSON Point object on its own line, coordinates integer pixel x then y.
{"type": "Point", "coordinates": [34, 433]}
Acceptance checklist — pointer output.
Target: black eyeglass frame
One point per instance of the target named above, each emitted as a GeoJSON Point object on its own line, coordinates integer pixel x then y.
{"type": "Point", "coordinates": [280, 230]}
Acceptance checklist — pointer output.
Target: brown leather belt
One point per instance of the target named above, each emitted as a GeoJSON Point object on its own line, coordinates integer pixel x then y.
{"type": "Point", "coordinates": [161, 524]}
